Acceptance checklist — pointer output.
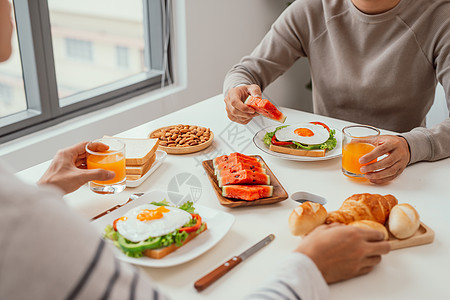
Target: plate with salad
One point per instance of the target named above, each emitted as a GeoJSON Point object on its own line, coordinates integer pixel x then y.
{"type": "Point", "coordinates": [142, 231]}
{"type": "Point", "coordinates": [307, 141]}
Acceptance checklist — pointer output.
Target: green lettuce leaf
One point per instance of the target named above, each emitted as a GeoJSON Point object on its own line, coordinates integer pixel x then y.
{"type": "Point", "coordinates": [268, 136]}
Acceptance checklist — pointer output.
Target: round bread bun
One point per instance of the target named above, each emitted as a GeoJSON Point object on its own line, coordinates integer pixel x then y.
{"type": "Point", "coordinates": [367, 224]}
{"type": "Point", "coordinates": [306, 217]}
{"type": "Point", "coordinates": [404, 221]}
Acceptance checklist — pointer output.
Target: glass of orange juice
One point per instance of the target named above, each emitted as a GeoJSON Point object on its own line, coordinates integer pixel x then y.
{"type": "Point", "coordinates": [107, 154]}
{"type": "Point", "coordinates": [358, 140]}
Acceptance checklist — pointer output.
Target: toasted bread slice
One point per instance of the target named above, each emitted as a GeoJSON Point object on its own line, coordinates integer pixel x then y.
{"type": "Point", "coordinates": [160, 253]}
{"type": "Point", "coordinates": [298, 152]}
{"type": "Point", "coordinates": [138, 150]}
{"type": "Point", "coordinates": [141, 170]}
{"type": "Point", "coordinates": [133, 177]}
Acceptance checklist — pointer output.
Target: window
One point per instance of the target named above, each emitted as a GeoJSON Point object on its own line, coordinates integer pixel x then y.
{"type": "Point", "coordinates": [79, 49]}
{"type": "Point", "coordinates": [79, 56]}
{"type": "Point", "coordinates": [122, 57]}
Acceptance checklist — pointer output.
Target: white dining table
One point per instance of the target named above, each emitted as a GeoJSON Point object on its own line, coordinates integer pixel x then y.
{"type": "Point", "coordinates": [420, 272]}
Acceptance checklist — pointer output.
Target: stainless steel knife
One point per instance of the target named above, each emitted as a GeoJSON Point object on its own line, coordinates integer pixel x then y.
{"type": "Point", "coordinates": [215, 274]}
{"type": "Point", "coordinates": [132, 198]}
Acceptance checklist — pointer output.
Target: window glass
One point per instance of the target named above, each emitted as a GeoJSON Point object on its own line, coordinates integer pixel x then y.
{"type": "Point", "coordinates": [12, 92]}
{"type": "Point", "coordinates": [96, 42]}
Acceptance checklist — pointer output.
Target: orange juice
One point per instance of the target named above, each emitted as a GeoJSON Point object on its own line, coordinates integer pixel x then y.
{"type": "Point", "coordinates": [351, 153]}
{"type": "Point", "coordinates": [114, 162]}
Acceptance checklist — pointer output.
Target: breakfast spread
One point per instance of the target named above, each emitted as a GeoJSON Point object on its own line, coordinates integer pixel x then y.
{"type": "Point", "coordinates": [379, 212]}
{"type": "Point", "coordinates": [155, 230]}
{"type": "Point", "coordinates": [139, 155]}
{"type": "Point", "coordinates": [178, 139]}
{"type": "Point", "coordinates": [265, 108]}
{"type": "Point", "coordinates": [302, 139]}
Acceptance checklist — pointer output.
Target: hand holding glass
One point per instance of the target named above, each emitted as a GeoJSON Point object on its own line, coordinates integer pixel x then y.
{"type": "Point", "coordinates": [112, 159]}
{"type": "Point", "coordinates": [358, 140]}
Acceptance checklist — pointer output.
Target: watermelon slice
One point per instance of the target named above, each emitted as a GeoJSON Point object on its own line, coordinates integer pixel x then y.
{"type": "Point", "coordinates": [233, 158]}
{"type": "Point", "coordinates": [247, 192]}
{"type": "Point", "coordinates": [233, 167]}
{"type": "Point", "coordinates": [244, 177]}
{"type": "Point", "coordinates": [265, 108]}
{"type": "Point", "coordinates": [230, 172]}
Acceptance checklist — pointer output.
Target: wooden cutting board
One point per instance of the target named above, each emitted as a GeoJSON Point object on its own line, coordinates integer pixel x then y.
{"type": "Point", "coordinates": [279, 193]}
{"type": "Point", "coordinates": [424, 235]}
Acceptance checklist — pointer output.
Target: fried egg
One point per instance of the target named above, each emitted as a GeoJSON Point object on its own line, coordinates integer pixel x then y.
{"type": "Point", "coordinates": [304, 133]}
{"type": "Point", "coordinates": [148, 220]}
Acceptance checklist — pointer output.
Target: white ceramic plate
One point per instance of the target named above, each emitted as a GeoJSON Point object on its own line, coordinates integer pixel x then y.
{"type": "Point", "coordinates": [160, 157]}
{"type": "Point", "coordinates": [219, 223]}
{"type": "Point", "coordinates": [258, 140]}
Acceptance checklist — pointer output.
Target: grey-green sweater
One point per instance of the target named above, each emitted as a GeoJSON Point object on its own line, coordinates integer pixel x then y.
{"type": "Point", "coordinates": [372, 69]}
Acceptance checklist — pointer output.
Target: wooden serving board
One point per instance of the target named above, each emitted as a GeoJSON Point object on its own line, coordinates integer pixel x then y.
{"type": "Point", "coordinates": [279, 194]}
{"type": "Point", "coordinates": [424, 235]}
{"type": "Point", "coordinates": [183, 150]}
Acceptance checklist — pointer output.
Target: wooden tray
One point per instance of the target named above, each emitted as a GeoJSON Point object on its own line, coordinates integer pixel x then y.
{"type": "Point", "coordinates": [279, 194]}
{"type": "Point", "coordinates": [424, 235]}
{"type": "Point", "coordinates": [183, 150]}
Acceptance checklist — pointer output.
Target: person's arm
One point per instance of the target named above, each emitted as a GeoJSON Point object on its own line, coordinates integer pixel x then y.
{"type": "Point", "coordinates": [47, 251]}
{"type": "Point", "coordinates": [68, 169]}
{"type": "Point", "coordinates": [277, 52]}
{"type": "Point", "coordinates": [419, 144]}
{"type": "Point", "coordinates": [305, 273]}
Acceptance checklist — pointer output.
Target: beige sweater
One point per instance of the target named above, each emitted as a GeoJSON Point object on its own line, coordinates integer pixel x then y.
{"type": "Point", "coordinates": [380, 69]}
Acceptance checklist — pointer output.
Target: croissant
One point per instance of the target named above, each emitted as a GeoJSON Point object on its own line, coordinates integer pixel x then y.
{"type": "Point", "coordinates": [372, 207]}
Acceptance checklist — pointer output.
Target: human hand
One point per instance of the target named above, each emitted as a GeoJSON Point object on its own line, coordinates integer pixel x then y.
{"type": "Point", "coordinates": [341, 252]}
{"type": "Point", "coordinates": [68, 170]}
{"type": "Point", "coordinates": [398, 156]}
{"type": "Point", "coordinates": [237, 111]}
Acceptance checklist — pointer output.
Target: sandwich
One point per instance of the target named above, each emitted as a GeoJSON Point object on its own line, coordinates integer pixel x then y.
{"type": "Point", "coordinates": [302, 139]}
{"type": "Point", "coordinates": [139, 155]}
{"type": "Point", "coordinates": [155, 230]}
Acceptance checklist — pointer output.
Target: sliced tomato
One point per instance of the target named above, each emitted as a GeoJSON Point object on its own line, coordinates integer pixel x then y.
{"type": "Point", "coordinates": [116, 220]}
{"type": "Point", "coordinates": [322, 124]}
{"type": "Point", "coordinates": [278, 143]}
{"type": "Point", "coordinates": [193, 227]}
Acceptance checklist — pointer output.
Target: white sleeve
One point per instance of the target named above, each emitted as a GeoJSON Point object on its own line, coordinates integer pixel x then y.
{"type": "Point", "coordinates": [297, 277]}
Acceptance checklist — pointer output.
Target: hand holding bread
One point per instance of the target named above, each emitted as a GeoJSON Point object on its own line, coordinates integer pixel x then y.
{"type": "Point", "coordinates": [360, 252]}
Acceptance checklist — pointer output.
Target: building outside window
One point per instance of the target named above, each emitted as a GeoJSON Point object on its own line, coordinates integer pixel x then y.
{"type": "Point", "coordinates": [78, 56]}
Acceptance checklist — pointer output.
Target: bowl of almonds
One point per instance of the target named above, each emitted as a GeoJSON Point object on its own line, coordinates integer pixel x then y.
{"type": "Point", "coordinates": [183, 139]}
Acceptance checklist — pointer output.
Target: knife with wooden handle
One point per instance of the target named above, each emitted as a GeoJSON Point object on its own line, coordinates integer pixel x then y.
{"type": "Point", "coordinates": [215, 274]}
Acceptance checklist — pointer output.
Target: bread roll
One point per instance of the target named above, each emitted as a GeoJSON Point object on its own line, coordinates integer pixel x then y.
{"type": "Point", "coordinates": [363, 207]}
{"type": "Point", "coordinates": [404, 221]}
{"type": "Point", "coordinates": [306, 217]}
{"type": "Point", "coordinates": [371, 225]}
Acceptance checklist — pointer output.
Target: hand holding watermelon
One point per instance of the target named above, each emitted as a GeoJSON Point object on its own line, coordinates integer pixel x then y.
{"type": "Point", "coordinates": [238, 111]}
{"type": "Point", "coordinates": [245, 102]}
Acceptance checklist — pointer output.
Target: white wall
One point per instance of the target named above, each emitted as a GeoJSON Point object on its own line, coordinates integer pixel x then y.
{"type": "Point", "coordinates": [210, 36]}
{"type": "Point", "coordinates": [439, 111]}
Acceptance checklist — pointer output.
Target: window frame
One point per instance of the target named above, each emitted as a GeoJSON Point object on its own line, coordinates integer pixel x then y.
{"type": "Point", "coordinates": [44, 106]}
